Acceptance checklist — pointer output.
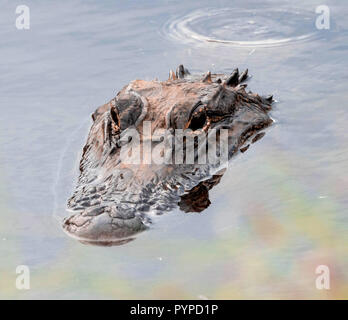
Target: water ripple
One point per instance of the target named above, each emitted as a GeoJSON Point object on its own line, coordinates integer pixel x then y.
{"type": "Point", "coordinates": [243, 27]}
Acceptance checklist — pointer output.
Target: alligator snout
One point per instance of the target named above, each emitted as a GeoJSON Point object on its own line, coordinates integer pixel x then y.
{"type": "Point", "coordinates": [105, 225]}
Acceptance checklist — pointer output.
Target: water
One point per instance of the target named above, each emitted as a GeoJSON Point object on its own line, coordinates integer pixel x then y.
{"type": "Point", "coordinates": [279, 211]}
{"type": "Point", "coordinates": [264, 26]}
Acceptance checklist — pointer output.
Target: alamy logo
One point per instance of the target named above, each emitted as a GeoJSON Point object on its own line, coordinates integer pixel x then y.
{"type": "Point", "coordinates": [23, 278]}
{"type": "Point", "coordinates": [23, 20]}
{"type": "Point", "coordinates": [174, 146]}
{"type": "Point", "coordinates": [323, 280]}
{"type": "Point", "coordinates": [323, 20]}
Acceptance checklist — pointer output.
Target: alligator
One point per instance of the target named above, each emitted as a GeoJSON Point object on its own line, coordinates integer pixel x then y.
{"type": "Point", "coordinates": [115, 200]}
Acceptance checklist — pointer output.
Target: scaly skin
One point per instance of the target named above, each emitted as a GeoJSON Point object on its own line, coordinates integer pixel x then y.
{"type": "Point", "coordinates": [113, 201]}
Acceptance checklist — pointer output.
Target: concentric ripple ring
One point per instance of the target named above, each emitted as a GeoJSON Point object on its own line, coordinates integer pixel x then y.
{"type": "Point", "coordinates": [265, 27]}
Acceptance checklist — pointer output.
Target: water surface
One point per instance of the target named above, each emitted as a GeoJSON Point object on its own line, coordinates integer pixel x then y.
{"type": "Point", "coordinates": [279, 211]}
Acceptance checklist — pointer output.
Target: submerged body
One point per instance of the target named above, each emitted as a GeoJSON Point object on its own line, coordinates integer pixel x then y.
{"type": "Point", "coordinates": [115, 199]}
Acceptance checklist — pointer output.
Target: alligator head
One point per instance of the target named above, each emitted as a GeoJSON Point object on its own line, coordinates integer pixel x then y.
{"type": "Point", "coordinates": [116, 199]}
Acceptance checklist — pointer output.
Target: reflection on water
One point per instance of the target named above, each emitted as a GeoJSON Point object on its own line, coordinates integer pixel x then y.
{"type": "Point", "coordinates": [278, 212]}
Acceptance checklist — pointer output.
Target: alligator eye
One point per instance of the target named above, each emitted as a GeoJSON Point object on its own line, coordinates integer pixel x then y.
{"type": "Point", "coordinates": [114, 116]}
{"type": "Point", "coordinates": [198, 120]}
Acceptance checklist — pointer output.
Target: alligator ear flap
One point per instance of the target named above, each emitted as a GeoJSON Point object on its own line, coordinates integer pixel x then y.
{"type": "Point", "coordinates": [243, 76]}
{"type": "Point", "coordinates": [172, 75]}
{"type": "Point", "coordinates": [207, 77]}
{"type": "Point", "coordinates": [233, 79]}
{"type": "Point", "coordinates": [114, 116]}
